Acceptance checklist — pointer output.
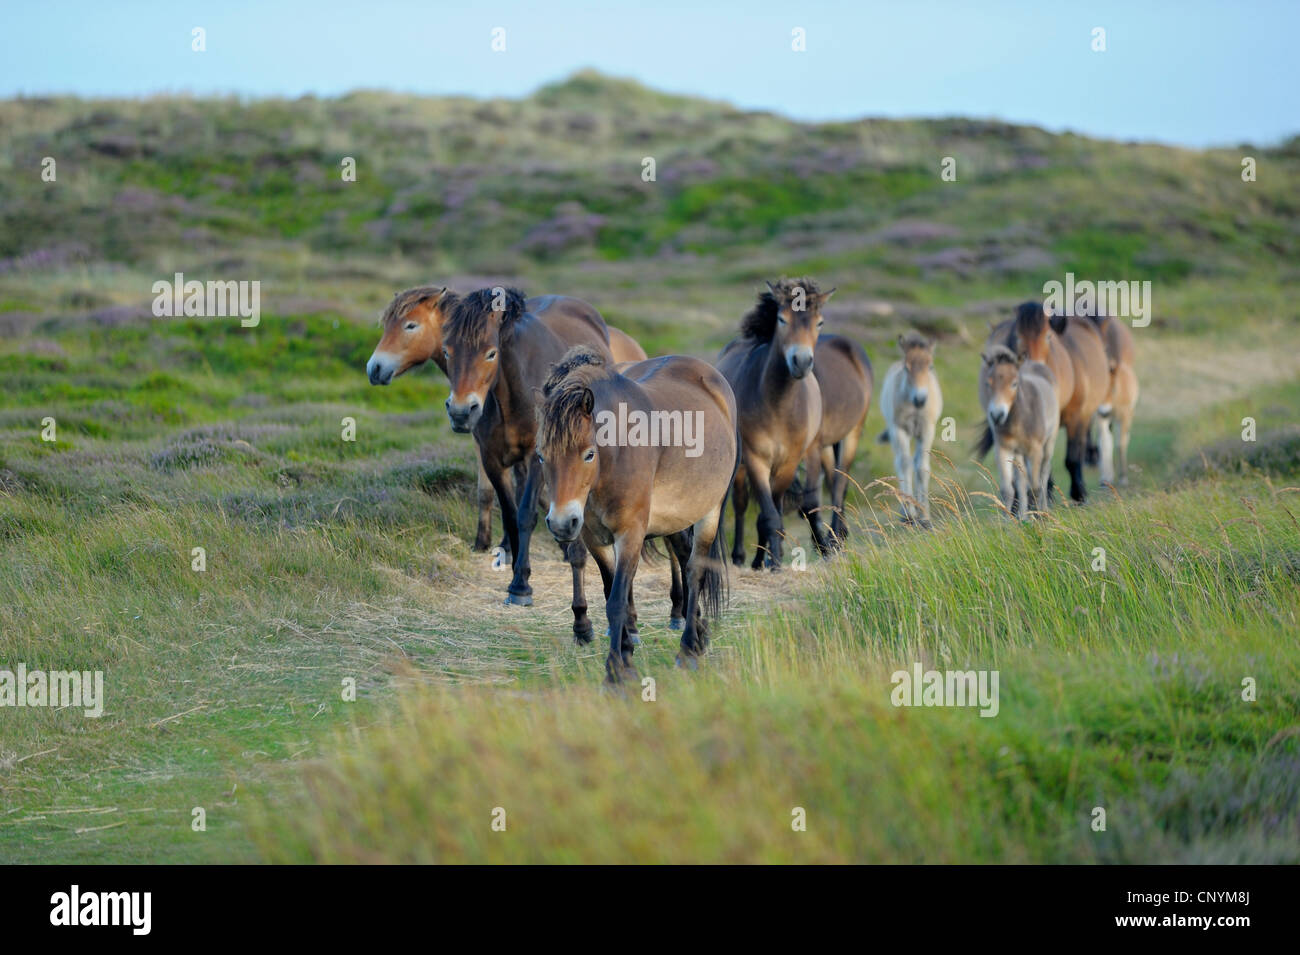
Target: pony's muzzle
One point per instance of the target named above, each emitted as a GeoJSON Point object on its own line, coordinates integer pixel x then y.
{"type": "Point", "coordinates": [998, 414]}
{"type": "Point", "coordinates": [565, 523]}
{"type": "Point", "coordinates": [379, 370]}
{"type": "Point", "coordinates": [463, 415]}
{"type": "Point", "coordinates": [919, 396]}
{"type": "Point", "coordinates": [799, 359]}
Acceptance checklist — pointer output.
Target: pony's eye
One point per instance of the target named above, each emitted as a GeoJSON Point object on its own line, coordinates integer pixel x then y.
{"type": "Point", "coordinates": [491, 356]}
{"type": "Point", "coordinates": [821, 322]}
{"type": "Point", "coordinates": [412, 326]}
{"type": "Point", "coordinates": [781, 319]}
{"type": "Point", "coordinates": [446, 353]}
{"type": "Point", "coordinates": [589, 456]}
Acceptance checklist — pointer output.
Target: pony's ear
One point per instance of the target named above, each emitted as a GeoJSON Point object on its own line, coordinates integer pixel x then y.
{"type": "Point", "coordinates": [826, 296]}
{"type": "Point", "coordinates": [900, 341]}
{"type": "Point", "coordinates": [588, 401]}
{"type": "Point", "coordinates": [985, 359]}
{"type": "Point", "coordinates": [1020, 358]}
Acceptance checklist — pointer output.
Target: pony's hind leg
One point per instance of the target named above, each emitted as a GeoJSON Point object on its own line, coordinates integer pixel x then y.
{"type": "Point", "coordinates": [705, 586]}
{"type": "Point", "coordinates": [739, 504]}
{"type": "Point", "coordinates": [810, 507]}
{"type": "Point", "coordinates": [845, 452]}
{"type": "Point", "coordinates": [677, 591]}
{"type": "Point", "coordinates": [1076, 435]}
{"type": "Point", "coordinates": [1106, 444]}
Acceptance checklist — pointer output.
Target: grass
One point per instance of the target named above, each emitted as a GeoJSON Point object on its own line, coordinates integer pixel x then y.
{"type": "Point", "coordinates": [1120, 689]}
{"type": "Point", "coordinates": [330, 560]}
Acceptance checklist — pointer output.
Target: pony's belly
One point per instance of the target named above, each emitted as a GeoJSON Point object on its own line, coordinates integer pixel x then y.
{"type": "Point", "coordinates": [671, 512]}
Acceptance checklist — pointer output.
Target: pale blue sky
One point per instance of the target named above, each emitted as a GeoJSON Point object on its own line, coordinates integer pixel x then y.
{"type": "Point", "coordinates": [1196, 72]}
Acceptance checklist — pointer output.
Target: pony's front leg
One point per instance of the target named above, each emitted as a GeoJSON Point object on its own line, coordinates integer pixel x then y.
{"type": "Point", "coordinates": [627, 552]}
{"type": "Point", "coordinates": [1006, 475]}
{"type": "Point", "coordinates": [502, 484]}
{"type": "Point", "coordinates": [575, 552]}
{"type": "Point", "coordinates": [921, 472]}
{"type": "Point", "coordinates": [770, 526]}
{"type": "Point", "coordinates": [1022, 483]}
{"type": "Point", "coordinates": [484, 494]}
{"type": "Point", "coordinates": [903, 468]}
{"type": "Point", "coordinates": [520, 592]}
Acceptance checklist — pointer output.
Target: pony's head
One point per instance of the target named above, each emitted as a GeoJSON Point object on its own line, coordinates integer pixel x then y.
{"type": "Point", "coordinates": [789, 315]}
{"type": "Point", "coordinates": [472, 338]}
{"type": "Point", "coordinates": [412, 326]}
{"type": "Point", "coordinates": [918, 359]}
{"type": "Point", "coordinates": [1031, 332]}
{"type": "Point", "coordinates": [566, 438]}
{"type": "Point", "coordinates": [1001, 373]}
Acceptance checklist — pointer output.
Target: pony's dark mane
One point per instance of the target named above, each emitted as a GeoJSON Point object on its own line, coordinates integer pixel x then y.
{"type": "Point", "coordinates": [403, 301]}
{"type": "Point", "coordinates": [913, 339]}
{"type": "Point", "coordinates": [759, 322]}
{"type": "Point", "coordinates": [1030, 321]}
{"type": "Point", "coordinates": [564, 414]}
{"type": "Point", "coordinates": [470, 322]}
{"type": "Point", "coordinates": [1001, 355]}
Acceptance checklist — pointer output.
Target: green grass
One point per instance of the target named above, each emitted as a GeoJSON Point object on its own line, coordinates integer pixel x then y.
{"type": "Point", "coordinates": [330, 560]}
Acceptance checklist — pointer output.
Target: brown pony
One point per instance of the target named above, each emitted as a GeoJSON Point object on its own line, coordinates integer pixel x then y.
{"type": "Point", "coordinates": [412, 335]}
{"type": "Point", "coordinates": [1019, 401]}
{"type": "Point", "coordinates": [844, 376]}
{"type": "Point", "coordinates": [497, 347]}
{"type": "Point", "coordinates": [1072, 349]}
{"type": "Point", "coordinates": [618, 487]}
{"type": "Point", "coordinates": [1120, 402]}
{"type": "Point", "coordinates": [780, 404]}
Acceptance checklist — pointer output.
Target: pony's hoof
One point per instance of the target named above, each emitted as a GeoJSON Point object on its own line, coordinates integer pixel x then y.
{"type": "Point", "coordinates": [676, 623]}
{"type": "Point", "coordinates": [617, 673]}
{"type": "Point", "coordinates": [582, 633]}
{"type": "Point", "coordinates": [632, 637]}
{"type": "Point", "coordinates": [738, 560]}
{"type": "Point", "coordinates": [519, 600]}
{"type": "Point", "coordinates": [500, 559]}
{"type": "Point", "coordinates": [688, 661]}
{"type": "Point", "coordinates": [926, 524]}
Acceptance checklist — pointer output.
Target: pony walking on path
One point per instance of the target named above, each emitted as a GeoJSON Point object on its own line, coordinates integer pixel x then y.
{"type": "Point", "coordinates": [911, 401]}
{"type": "Point", "coordinates": [665, 476]}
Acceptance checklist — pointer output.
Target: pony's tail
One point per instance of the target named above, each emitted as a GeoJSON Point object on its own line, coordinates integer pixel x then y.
{"type": "Point", "coordinates": [713, 588]}
{"type": "Point", "coordinates": [984, 444]}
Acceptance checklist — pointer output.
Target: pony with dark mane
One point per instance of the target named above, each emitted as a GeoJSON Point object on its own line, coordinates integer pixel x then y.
{"type": "Point", "coordinates": [617, 490]}
{"type": "Point", "coordinates": [1072, 349]}
{"type": "Point", "coordinates": [497, 347]}
{"type": "Point", "coordinates": [769, 367]}
{"type": "Point", "coordinates": [412, 335]}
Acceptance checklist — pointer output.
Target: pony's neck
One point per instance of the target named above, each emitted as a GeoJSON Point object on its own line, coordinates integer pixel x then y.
{"type": "Point", "coordinates": [777, 381]}
{"type": "Point", "coordinates": [512, 395]}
